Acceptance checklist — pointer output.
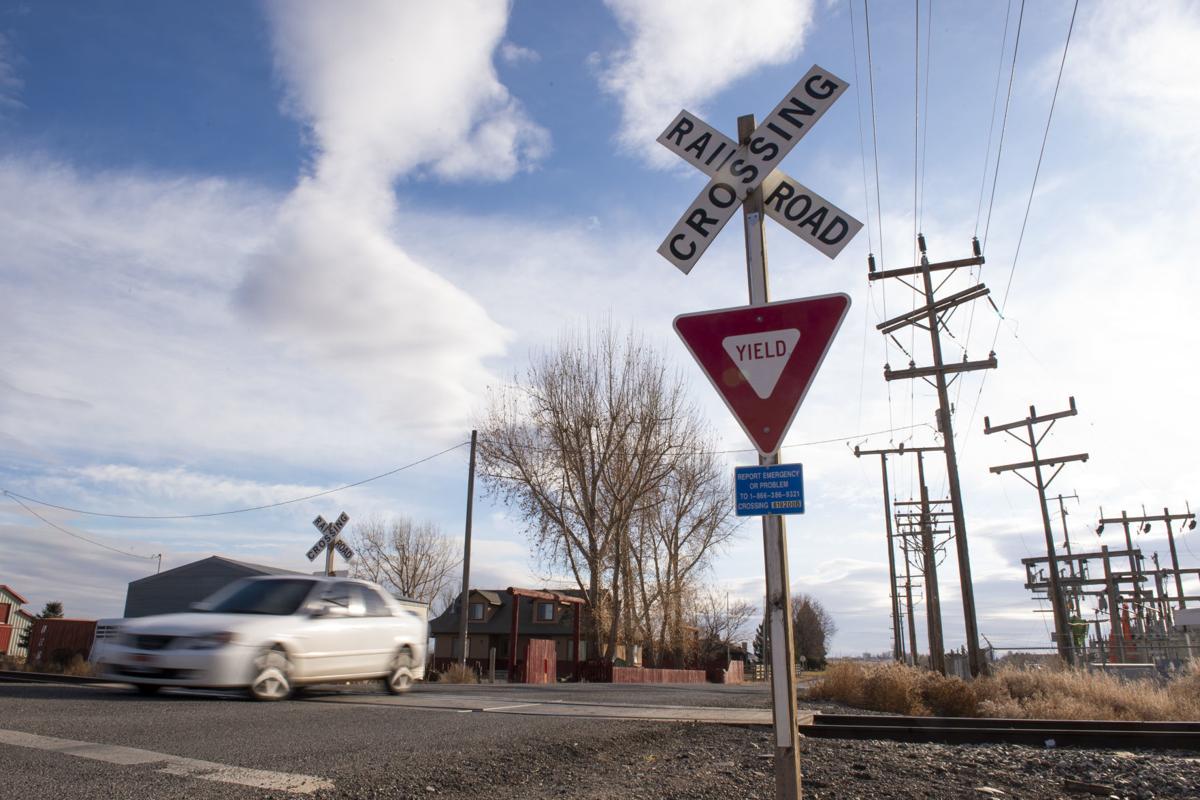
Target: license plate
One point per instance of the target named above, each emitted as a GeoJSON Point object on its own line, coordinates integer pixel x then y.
{"type": "Point", "coordinates": [144, 658]}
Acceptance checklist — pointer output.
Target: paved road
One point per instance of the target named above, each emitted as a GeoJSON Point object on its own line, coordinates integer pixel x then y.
{"type": "Point", "coordinates": [61, 741]}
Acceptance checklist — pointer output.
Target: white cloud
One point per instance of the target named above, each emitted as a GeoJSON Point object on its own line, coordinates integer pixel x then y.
{"type": "Point", "coordinates": [388, 90]}
{"type": "Point", "coordinates": [513, 54]}
{"type": "Point", "coordinates": [682, 53]}
{"type": "Point", "coordinates": [389, 87]}
{"type": "Point", "coordinates": [1137, 66]}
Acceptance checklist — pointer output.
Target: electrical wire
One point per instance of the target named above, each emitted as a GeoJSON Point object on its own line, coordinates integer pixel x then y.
{"type": "Point", "coordinates": [19, 497]}
{"type": "Point", "coordinates": [987, 151]}
{"type": "Point", "coordinates": [1036, 172]}
{"type": "Point", "coordinates": [1028, 206]}
{"type": "Point", "coordinates": [15, 496]}
{"type": "Point", "coordinates": [1003, 126]}
{"type": "Point", "coordinates": [61, 529]}
{"type": "Point", "coordinates": [925, 113]}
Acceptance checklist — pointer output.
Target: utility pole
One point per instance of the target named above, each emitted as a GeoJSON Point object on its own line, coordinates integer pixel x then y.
{"type": "Point", "coordinates": [932, 317]}
{"type": "Point", "coordinates": [1167, 518]}
{"type": "Point", "coordinates": [897, 636]}
{"type": "Point", "coordinates": [464, 606]}
{"type": "Point", "coordinates": [1062, 511]}
{"type": "Point", "coordinates": [912, 624]}
{"type": "Point", "coordinates": [933, 603]}
{"type": "Point", "coordinates": [1062, 628]}
{"type": "Point", "coordinates": [779, 599]}
{"type": "Point", "coordinates": [1114, 606]}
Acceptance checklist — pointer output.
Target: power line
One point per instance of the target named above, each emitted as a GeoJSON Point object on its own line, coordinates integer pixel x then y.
{"type": "Point", "coordinates": [60, 528]}
{"type": "Point", "coordinates": [1037, 171]}
{"type": "Point", "coordinates": [1028, 205]}
{"type": "Point", "coordinates": [925, 113]}
{"type": "Point", "coordinates": [1003, 125]}
{"type": "Point", "coordinates": [987, 151]}
{"type": "Point", "coordinates": [390, 472]}
{"type": "Point", "coordinates": [875, 141]}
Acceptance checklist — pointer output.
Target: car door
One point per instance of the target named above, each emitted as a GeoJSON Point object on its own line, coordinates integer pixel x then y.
{"type": "Point", "coordinates": [380, 631]}
{"type": "Point", "coordinates": [333, 634]}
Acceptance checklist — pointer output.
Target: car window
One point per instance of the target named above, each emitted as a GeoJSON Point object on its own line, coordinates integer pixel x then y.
{"type": "Point", "coordinates": [347, 595]}
{"type": "Point", "coordinates": [376, 606]}
{"type": "Point", "coordinates": [278, 597]}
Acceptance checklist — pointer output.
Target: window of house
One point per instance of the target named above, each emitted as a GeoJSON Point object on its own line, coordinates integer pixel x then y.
{"type": "Point", "coordinates": [545, 612]}
{"type": "Point", "coordinates": [476, 611]}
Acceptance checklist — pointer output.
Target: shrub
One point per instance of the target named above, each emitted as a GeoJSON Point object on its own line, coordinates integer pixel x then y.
{"type": "Point", "coordinates": [1011, 692]}
{"type": "Point", "coordinates": [457, 673]}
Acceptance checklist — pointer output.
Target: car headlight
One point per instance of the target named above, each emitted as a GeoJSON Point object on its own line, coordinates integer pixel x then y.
{"type": "Point", "coordinates": [209, 641]}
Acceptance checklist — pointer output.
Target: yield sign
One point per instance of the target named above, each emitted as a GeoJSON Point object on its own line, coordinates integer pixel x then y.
{"type": "Point", "coordinates": [762, 359]}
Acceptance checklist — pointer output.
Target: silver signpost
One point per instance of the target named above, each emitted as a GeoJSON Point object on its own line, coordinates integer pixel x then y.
{"type": "Point", "coordinates": [742, 174]}
{"type": "Point", "coordinates": [329, 541]}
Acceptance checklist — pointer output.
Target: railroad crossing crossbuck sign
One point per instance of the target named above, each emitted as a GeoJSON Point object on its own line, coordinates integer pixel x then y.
{"type": "Point", "coordinates": [734, 172]}
{"type": "Point", "coordinates": [329, 538]}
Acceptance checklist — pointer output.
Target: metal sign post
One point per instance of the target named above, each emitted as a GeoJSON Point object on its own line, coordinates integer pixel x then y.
{"type": "Point", "coordinates": [329, 541]}
{"type": "Point", "coordinates": [763, 370]}
{"type": "Point", "coordinates": [779, 596]}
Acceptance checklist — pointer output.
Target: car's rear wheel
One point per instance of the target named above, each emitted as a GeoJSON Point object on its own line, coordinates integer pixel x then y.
{"type": "Point", "coordinates": [400, 678]}
{"type": "Point", "coordinates": [147, 688]}
{"type": "Point", "coordinates": [272, 676]}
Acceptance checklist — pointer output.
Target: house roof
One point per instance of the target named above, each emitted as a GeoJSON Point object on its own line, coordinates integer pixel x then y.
{"type": "Point", "coordinates": [253, 569]}
{"type": "Point", "coordinates": [5, 587]}
{"type": "Point", "coordinates": [500, 622]}
{"type": "Point", "coordinates": [25, 614]}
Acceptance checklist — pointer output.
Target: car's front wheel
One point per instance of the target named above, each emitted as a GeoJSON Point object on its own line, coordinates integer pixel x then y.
{"type": "Point", "coordinates": [400, 678]}
{"type": "Point", "coordinates": [272, 676]}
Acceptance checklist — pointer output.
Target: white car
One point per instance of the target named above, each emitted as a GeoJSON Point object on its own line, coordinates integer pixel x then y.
{"type": "Point", "coordinates": [272, 634]}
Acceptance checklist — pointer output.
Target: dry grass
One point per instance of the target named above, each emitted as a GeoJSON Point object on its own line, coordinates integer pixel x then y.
{"type": "Point", "coordinates": [1010, 692]}
{"type": "Point", "coordinates": [457, 673]}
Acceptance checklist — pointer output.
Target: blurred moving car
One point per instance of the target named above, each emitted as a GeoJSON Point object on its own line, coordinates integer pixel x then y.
{"type": "Point", "coordinates": [271, 634]}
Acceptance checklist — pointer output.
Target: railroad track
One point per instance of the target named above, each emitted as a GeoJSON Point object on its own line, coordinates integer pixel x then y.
{"type": "Point", "coordinates": [47, 677]}
{"type": "Point", "coordinates": [1099, 734]}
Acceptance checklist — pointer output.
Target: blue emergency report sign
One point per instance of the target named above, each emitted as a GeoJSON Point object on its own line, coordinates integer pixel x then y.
{"type": "Point", "coordinates": [774, 489]}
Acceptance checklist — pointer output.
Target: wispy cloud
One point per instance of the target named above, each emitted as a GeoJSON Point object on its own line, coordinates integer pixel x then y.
{"type": "Point", "coordinates": [1137, 66]}
{"type": "Point", "coordinates": [512, 53]}
{"type": "Point", "coordinates": [10, 83]}
{"type": "Point", "coordinates": [680, 54]}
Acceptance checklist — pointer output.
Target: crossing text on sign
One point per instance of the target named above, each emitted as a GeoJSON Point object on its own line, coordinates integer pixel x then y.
{"type": "Point", "coordinates": [745, 168]}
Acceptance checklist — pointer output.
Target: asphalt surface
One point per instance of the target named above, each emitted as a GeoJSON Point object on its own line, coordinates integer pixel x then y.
{"type": "Point", "coordinates": [68, 741]}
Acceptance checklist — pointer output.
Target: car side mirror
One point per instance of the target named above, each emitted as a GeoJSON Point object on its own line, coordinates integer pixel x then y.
{"type": "Point", "coordinates": [327, 610]}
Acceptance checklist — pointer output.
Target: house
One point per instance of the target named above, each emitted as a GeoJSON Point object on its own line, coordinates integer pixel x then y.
{"type": "Point", "coordinates": [14, 621]}
{"type": "Point", "coordinates": [557, 615]}
{"type": "Point", "coordinates": [176, 589]}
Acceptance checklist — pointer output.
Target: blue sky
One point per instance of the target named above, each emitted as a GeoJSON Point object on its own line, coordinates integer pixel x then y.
{"type": "Point", "coordinates": [256, 251]}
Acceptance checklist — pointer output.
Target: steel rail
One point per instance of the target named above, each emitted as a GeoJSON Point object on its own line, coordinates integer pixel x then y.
{"type": "Point", "coordinates": [1100, 734]}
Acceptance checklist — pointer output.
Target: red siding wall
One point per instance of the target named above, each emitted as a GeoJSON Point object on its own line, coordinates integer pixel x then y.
{"type": "Point", "coordinates": [60, 639]}
{"type": "Point", "coordinates": [541, 662]}
{"type": "Point", "coordinates": [648, 675]}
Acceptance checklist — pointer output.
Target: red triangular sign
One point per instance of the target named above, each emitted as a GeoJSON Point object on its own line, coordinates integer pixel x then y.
{"type": "Point", "coordinates": [762, 359]}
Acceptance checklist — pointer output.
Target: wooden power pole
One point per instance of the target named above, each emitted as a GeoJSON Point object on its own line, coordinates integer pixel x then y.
{"type": "Point", "coordinates": [932, 317]}
{"type": "Point", "coordinates": [464, 604]}
{"type": "Point", "coordinates": [1062, 627]}
{"type": "Point", "coordinates": [897, 635]}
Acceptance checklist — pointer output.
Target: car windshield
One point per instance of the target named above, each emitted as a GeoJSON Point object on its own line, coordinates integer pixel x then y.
{"type": "Point", "coordinates": [279, 597]}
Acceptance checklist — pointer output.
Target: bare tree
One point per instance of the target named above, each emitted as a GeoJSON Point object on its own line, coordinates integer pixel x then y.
{"type": "Point", "coordinates": [408, 558]}
{"type": "Point", "coordinates": [813, 629]}
{"type": "Point", "coordinates": [586, 445]}
{"type": "Point", "coordinates": [720, 620]}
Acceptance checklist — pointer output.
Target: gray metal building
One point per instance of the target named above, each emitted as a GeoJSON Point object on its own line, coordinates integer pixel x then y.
{"type": "Point", "coordinates": [176, 589]}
